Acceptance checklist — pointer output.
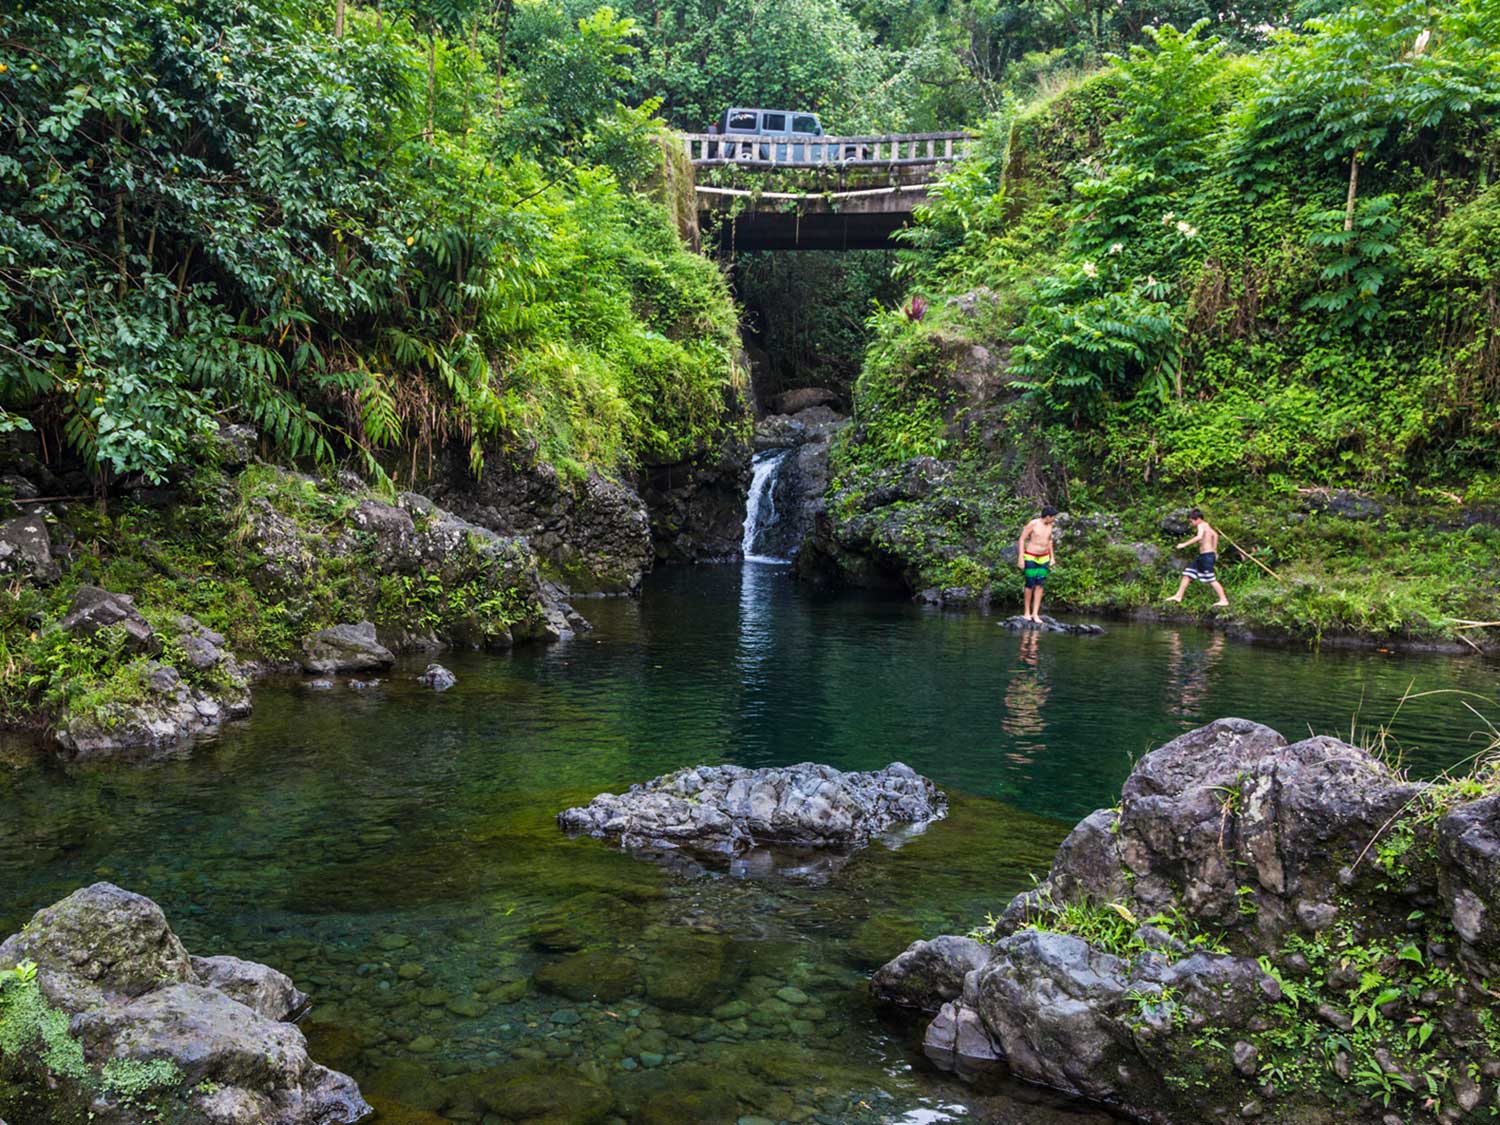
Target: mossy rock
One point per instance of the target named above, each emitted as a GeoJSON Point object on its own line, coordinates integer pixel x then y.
{"type": "Point", "coordinates": [688, 1092]}
{"type": "Point", "coordinates": [592, 975]}
{"type": "Point", "coordinates": [691, 972]}
{"type": "Point", "coordinates": [411, 1085]}
{"type": "Point", "coordinates": [877, 940]}
{"type": "Point", "coordinates": [394, 1113]}
{"type": "Point", "coordinates": [584, 920]}
{"type": "Point", "coordinates": [681, 1106]}
{"type": "Point", "coordinates": [540, 1094]}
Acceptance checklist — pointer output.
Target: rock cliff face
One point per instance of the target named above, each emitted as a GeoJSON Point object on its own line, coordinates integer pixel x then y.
{"type": "Point", "coordinates": [697, 506]}
{"type": "Point", "coordinates": [119, 1025]}
{"type": "Point", "coordinates": [1259, 930]}
{"type": "Point", "coordinates": [593, 534]}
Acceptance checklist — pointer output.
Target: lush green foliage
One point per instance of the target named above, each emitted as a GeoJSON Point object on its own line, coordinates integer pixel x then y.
{"type": "Point", "coordinates": [887, 65]}
{"type": "Point", "coordinates": [1196, 305]}
{"type": "Point", "coordinates": [216, 207]}
{"type": "Point", "coordinates": [808, 311]}
{"type": "Point", "coordinates": [1207, 266]}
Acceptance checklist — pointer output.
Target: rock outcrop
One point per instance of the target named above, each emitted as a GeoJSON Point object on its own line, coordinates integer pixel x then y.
{"type": "Point", "coordinates": [206, 1037]}
{"type": "Point", "coordinates": [732, 809]}
{"type": "Point", "coordinates": [171, 703]}
{"type": "Point", "coordinates": [697, 505]}
{"type": "Point", "coordinates": [593, 533]}
{"type": "Point", "coordinates": [436, 677]}
{"type": "Point", "coordinates": [802, 398]}
{"type": "Point", "coordinates": [435, 579]}
{"type": "Point", "coordinates": [1284, 932]}
{"type": "Point", "coordinates": [94, 609]}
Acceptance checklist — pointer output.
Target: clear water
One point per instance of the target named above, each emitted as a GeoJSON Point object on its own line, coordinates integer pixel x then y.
{"type": "Point", "coordinates": [394, 850]}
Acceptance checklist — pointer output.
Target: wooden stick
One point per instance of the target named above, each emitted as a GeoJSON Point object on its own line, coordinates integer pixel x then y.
{"type": "Point", "coordinates": [1251, 557]}
{"type": "Point", "coordinates": [1471, 644]}
{"type": "Point", "coordinates": [1460, 623]}
{"type": "Point", "coordinates": [49, 499]}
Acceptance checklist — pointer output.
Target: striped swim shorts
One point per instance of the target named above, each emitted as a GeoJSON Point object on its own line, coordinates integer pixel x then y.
{"type": "Point", "coordinates": [1035, 569]}
{"type": "Point", "coordinates": [1202, 569]}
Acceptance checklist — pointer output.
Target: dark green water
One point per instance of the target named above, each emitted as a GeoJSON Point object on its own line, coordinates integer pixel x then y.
{"type": "Point", "coordinates": [394, 850]}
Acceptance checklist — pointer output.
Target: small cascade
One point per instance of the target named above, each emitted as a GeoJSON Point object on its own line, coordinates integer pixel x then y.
{"type": "Point", "coordinates": [760, 507]}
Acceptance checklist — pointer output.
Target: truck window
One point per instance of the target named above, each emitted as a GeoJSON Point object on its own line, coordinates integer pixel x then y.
{"type": "Point", "coordinates": [806, 123]}
{"type": "Point", "coordinates": [773, 122]}
{"type": "Point", "coordinates": [743, 121]}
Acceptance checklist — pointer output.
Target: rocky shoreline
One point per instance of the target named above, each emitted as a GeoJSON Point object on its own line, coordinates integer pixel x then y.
{"type": "Point", "coordinates": [1258, 931]}
{"type": "Point", "coordinates": [318, 575]}
{"type": "Point", "coordinates": [109, 1019]}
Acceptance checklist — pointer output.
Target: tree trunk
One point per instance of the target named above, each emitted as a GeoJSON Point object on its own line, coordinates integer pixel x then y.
{"type": "Point", "coordinates": [430, 134]}
{"type": "Point", "coordinates": [1353, 190]}
{"type": "Point", "coordinates": [338, 19]}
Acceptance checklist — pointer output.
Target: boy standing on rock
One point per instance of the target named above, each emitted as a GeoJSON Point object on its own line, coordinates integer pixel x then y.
{"type": "Point", "coordinates": [1202, 569]}
{"type": "Point", "coordinates": [1035, 557]}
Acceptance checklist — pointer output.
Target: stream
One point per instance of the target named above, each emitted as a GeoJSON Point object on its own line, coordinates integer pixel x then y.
{"type": "Point", "coordinates": [394, 850]}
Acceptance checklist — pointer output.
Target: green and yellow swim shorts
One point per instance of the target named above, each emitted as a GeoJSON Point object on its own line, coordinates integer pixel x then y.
{"type": "Point", "coordinates": [1035, 568]}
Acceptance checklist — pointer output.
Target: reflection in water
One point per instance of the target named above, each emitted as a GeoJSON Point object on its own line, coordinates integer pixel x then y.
{"type": "Point", "coordinates": [1026, 693]}
{"type": "Point", "coordinates": [1189, 674]}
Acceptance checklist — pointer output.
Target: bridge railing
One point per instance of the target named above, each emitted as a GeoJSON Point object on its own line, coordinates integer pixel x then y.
{"type": "Point", "coordinates": [781, 151]}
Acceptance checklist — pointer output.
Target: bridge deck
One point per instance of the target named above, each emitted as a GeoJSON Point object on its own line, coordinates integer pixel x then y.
{"type": "Point", "coordinates": [780, 151]}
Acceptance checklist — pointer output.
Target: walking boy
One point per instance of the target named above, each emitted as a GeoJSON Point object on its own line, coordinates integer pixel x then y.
{"type": "Point", "coordinates": [1202, 569]}
{"type": "Point", "coordinates": [1035, 556]}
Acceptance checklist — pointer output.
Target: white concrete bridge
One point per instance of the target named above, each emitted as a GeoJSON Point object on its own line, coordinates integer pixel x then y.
{"type": "Point", "coordinates": [868, 186]}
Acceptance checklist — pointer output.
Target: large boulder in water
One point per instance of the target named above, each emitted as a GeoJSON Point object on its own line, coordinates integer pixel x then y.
{"type": "Point", "coordinates": [930, 973]}
{"type": "Point", "coordinates": [345, 648]}
{"type": "Point", "coordinates": [206, 1036]}
{"type": "Point", "coordinates": [732, 809]}
{"type": "Point", "coordinates": [1246, 901]}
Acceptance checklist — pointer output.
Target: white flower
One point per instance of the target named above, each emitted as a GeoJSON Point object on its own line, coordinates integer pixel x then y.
{"type": "Point", "coordinates": [1116, 247]}
{"type": "Point", "coordinates": [1186, 229]}
{"type": "Point", "coordinates": [1166, 219]}
{"type": "Point", "coordinates": [1090, 270]}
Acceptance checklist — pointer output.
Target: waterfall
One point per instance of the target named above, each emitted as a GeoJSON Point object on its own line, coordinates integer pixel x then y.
{"type": "Point", "coordinates": [760, 506]}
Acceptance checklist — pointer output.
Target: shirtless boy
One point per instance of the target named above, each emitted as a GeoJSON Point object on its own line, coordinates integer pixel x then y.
{"type": "Point", "coordinates": [1036, 556]}
{"type": "Point", "coordinates": [1202, 569]}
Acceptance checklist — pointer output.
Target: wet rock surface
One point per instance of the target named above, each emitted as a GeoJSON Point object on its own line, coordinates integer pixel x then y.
{"type": "Point", "coordinates": [799, 487]}
{"type": "Point", "coordinates": [345, 648]}
{"type": "Point", "coordinates": [436, 677]}
{"type": "Point", "coordinates": [595, 532]}
{"type": "Point", "coordinates": [697, 505]}
{"type": "Point", "coordinates": [732, 809]}
{"type": "Point", "coordinates": [1048, 624]}
{"type": "Point", "coordinates": [212, 1027]}
{"type": "Point", "coordinates": [930, 973]}
{"type": "Point", "coordinates": [1231, 857]}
